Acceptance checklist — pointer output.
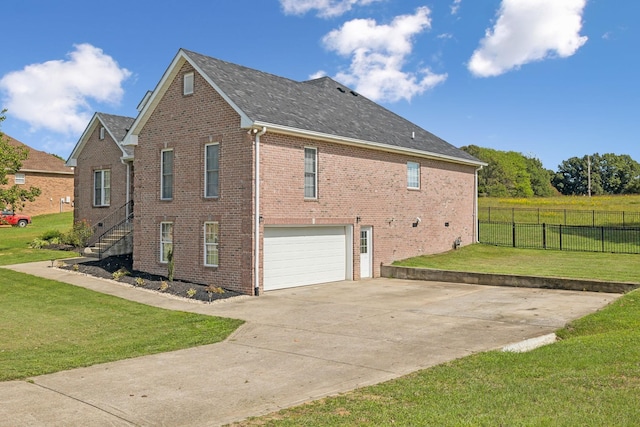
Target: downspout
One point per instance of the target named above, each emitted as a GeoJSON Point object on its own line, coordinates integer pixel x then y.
{"type": "Point", "coordinates": [256, 237]}
{"type": "Point", "coordinates": [476, 226]}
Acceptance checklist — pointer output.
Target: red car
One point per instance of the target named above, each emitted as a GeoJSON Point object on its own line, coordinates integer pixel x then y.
{"type": "Point", "coordinates": [17, 220]}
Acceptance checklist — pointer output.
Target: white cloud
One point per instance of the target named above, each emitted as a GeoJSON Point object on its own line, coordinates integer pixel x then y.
{"type": "Point", "coordinates": [378, 55]}
{"type": "Point", "coordinates": [527, 31]}
{"type": "Point", "coordinates": [55, 95]}
{"type": "Point", "coordinates": [325, 8]}
{"type": "Point", "coordinates": [455, 7]}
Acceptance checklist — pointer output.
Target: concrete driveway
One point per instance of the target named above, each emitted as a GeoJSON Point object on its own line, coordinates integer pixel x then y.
{"type": "Point", "coordinates": [298, 345]}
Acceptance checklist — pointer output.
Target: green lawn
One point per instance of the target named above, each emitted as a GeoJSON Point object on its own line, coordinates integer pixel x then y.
{"type": "Point", "coordinates": [47, 326]}
{"type": "Point", "coordinates": [14, 241]}
{"type": "Point", "coordinates": [533, 262]}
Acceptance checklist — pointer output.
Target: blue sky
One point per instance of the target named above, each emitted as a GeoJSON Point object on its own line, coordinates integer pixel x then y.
{"type": "Point", "coordinates": [551, 79]}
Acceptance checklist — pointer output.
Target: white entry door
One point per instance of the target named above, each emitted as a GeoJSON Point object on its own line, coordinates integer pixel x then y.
{"type": "Point", "coordinates": [366, 252]}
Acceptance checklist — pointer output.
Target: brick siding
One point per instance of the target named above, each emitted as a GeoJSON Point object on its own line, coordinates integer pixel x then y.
{"type": "Point", "coordinates": [53, 187]}
{"type": "Point", "coordinates": [352, 182]}
{"type": "Point", "coordinates": [98, 154]}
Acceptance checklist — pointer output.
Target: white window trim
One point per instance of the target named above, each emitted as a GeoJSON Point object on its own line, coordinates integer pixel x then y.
{"type": "Point", "coordinates": [315, 177]}
{"type": "Point", "coordinates": [101, 133]}
{"type": "Point", "coordinates": [410, 166]}
{"type": "Point", "coordinates": [205, 170]}
{"type": "Point", "coordinates": [211, 246]}
{"type": "Point", "coordinates": [103, 198]}
{"type": "Point", "coordinates": [20, 178]}
{"type": "Point", "coordinates": [188, 83]}
{"type": "Point", "coordinates": [173, 160]}
{"type": "Point", "coordinates": [163, 242]}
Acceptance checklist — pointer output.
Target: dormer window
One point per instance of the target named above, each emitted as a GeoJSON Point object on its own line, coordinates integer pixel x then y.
{"type": "Point", "coordinates": [187, 88]}
{"type": "Point", "coordinates": [101, 132]}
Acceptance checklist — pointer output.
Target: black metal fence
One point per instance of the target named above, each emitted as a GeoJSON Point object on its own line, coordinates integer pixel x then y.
{"type": "Point", "coordinates": [592, 218]}
{"type": "Point", "coordinates": [614, 239]}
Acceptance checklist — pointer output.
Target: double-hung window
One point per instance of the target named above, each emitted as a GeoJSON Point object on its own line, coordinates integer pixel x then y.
{"type": "Point", "coordinates": [413, 175]}
{"type": "Point", "coordinates": [211, 170]}
{"type": "Point", "coordinates": [102, 187]}
{"type": "Point", "coordinates": [166, 175]}
{"type": "Point", "coordinates": [310, 173]}
{"type": "Point", "coordinates": [211, 232]}
{"type": "Point", "coordinates": [20, 178]}
{"type": "Point", "coordinates": [166, 241]}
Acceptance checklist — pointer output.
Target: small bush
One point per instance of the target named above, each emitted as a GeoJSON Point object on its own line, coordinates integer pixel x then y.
{"type": "Point", "coordinates": [119, 274]}
{"type": "Point", "coordinates": [163, 286]}
{"type": "Point", "coordinates": [191, 292]}
{"type": "Point", "coordinates": [38, 243]}
{"type": "Point", "coordinates": [50, 235]}
{"type": "Point", "coordinates": [79, 235]}
{"type": "Point", "coordinates": [139, 281]}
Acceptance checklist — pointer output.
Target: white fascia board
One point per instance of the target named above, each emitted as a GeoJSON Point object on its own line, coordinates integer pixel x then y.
{"type": "Point", "coordinates": [72, 161]}
{"type": "Point", "coordinates": [361, 143]}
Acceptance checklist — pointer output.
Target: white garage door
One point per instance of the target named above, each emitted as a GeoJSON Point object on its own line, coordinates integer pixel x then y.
{"type": "Point", "coordinates": [297, 256]}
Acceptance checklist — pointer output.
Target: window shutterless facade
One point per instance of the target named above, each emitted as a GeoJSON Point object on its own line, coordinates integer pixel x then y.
{"type": "Point", "coordinates": [413, 175]}
{"type": "Point", "coordinates": [20, 178]}
{"type": "Point", "coordinates": [166, 241]}
{"type": "Point", "coordinates": [187, 87]}
{"type": "Point", "coordinates": [166, 175]}
{"type": "Point", "coordinates": [102, 187]}
{"type": "Point", "coordinates": [310, 173]}
{"type": "Point", "coordinates": [211, 253]}
{"type": "Point", "coordinates": [211, 170]}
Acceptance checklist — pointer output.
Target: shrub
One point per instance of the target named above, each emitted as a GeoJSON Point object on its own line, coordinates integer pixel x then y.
{"type": "Point", "coordinates": [79, 235]}
{"type": "Point", "coordinates": [38, 243]}
{"type": "Point", "coordinates": [51, 235]}
{"type": "Point", "coordinates": [117, 275]}
{"type": "Point", "coordinates": [191, 292]}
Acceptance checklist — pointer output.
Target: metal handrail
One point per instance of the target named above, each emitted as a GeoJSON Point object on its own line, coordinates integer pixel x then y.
{"type": "Point", "coordinates": [110, 221]}
{"type": "Point", "coordinates": [111, 231]}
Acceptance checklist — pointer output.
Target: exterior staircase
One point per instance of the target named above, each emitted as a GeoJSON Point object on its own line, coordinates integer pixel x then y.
{"type": "Point", "coordinates": [118, 241]}
{"type": "Point", "coordinates": [113, 235]}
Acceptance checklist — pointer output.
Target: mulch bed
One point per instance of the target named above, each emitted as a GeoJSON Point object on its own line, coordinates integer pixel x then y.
{"type": "Point", "coordinates": [106, 267]}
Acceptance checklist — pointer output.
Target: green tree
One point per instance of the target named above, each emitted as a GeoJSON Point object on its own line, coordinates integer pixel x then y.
{"type": "Point", "coordinates": [11, 158]}
{"type": "Point", "coordinates": [510, 174]}
{"type": "Point", "coordinates": [610, 174]}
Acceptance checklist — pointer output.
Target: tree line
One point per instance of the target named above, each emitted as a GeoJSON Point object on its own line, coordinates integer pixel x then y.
{"type": "Point", "coordinates": [513, 174]}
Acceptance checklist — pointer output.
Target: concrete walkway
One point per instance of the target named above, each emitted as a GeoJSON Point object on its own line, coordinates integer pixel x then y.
{"type": "Point", "coordinates": [297, 345]}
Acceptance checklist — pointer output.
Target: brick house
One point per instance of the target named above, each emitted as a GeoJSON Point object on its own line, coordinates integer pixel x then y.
{"type": "Point", "coordinates": [48, 173]}
{"type": "Point", "coordinates": [344, 184]}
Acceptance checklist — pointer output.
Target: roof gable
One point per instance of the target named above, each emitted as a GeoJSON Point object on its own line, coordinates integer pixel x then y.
{"type": "Point", "coordinates": [117, 128]}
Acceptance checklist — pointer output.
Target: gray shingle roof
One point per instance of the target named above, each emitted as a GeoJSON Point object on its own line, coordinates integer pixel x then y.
{"type": "Point", "coordinates": [321, 105]}
{"type": "Point", "coordinates": [118, 126]}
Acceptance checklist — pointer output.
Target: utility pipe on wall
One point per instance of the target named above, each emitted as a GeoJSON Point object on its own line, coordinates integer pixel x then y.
{"type": "Point", "coordinates": [256, 239]}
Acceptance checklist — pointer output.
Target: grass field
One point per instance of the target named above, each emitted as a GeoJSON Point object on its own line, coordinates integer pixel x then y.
{"type": "Point", "coordinates": [533, 262]}
{"type": "Point", "coordinates": [608, 203]}
{"type": "Point", "coordinates": [47, 326]}
{"type": "Point", "coordinates": [14, 241]}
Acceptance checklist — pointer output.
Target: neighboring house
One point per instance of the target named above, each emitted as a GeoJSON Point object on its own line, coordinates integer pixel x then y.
{"type": "Point", "coordinates": [344, 184]}
{"type": "Point", "coordinates": [48, 173]}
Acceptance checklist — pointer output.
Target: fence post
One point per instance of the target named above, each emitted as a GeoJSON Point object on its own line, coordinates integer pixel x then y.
{"type": "Point", "coordinates": [513, 234]}
{"type": "Point", "coordinates": [560, 234]}
{"type": "Point", "coordinates": [602, 237]}
{"type": "Point", "coordinates": [544, 236]}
